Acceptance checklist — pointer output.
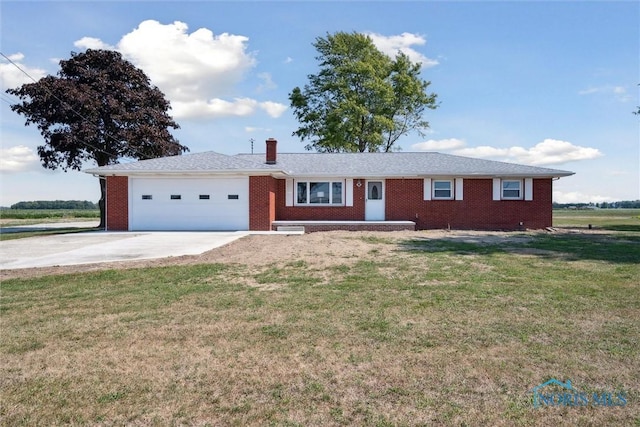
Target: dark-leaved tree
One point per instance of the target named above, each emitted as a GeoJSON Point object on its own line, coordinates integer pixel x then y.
{"type": "Point", "coordinates": [361, 99]}
{"type": "Point", "coordinates": [99, 108]}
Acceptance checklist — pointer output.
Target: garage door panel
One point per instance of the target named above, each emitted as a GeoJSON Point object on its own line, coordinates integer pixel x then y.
{"type": "Point", "coordinates": [190, 212]}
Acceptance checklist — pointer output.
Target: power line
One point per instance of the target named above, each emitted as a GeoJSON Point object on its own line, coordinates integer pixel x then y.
{"type": "Point", "coordinates": [6, 99]}
{"type": "Point", "coordinates": [106, 134]}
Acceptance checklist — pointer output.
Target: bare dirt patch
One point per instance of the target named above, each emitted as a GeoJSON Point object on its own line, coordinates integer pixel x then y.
{"type": "Point", "coordinates": [319, 250]}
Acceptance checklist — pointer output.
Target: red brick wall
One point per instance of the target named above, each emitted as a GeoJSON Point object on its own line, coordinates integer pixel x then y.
{"type": "Point", "coordinates": [117, 203]}
{"type": "Point", "coordinates": [318, 213]}
{"type": "Point", "coordinates": [262, 202]}
{"type": "Point", "coordinates": [476, 211]}
{"type": "Point", "coordinates": [404, 202]}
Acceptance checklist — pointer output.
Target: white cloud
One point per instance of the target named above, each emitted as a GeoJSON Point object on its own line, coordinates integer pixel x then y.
{"type": "Point", "coordinates": [239, 107]}
{"type": "Point", "coordinates": [288, 60]}
{"type": "Point", "coordinates": [578, 197]}
{"type": "Point", "coordinates": [439, 145]}
{"type": "Point", "coordinates": [92, 43]}
{"type": "Point", "coordinates": [267, 82]}
{"type": "Point", "coordinates": [618, 92]}
{"type": "Point", "coordinates": [273, 109]}
{"type": "Point", "coordinates": [216, 107]}
{"type": "Point", "coordinates": [186, 65]}
{"type": "Point", "coordinates": [11, 76]}
{"type": "Point", "coordinates": [195, 71]}
{"type": "Point", "coordinates": [390, 45]}
{"type": "Point", "coordinates": [18, 159]}
{"type": "Point", "coordinates": [547, 152]}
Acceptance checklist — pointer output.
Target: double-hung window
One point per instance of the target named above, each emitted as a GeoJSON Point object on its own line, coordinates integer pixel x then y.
{"type": "Point", "coordinates": [511, 189]}
{"type": "Point", "coordinates": [443, 189]}
{"type": "Point", "coordinates": [319, 193]}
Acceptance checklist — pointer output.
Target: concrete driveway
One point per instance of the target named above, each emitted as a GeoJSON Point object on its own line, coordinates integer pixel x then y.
{"type": "Point", "coordinates": [105, 246]}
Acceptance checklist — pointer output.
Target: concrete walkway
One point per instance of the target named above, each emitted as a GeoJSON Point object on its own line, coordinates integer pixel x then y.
{"type": "Point", "coordinates": [103, 246]}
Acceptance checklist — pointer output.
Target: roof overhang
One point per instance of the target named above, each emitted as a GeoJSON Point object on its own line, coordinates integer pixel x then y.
{"type": "Point", "coordinates": [290, 174]}
{"type": "Point", "coordinates": [177, 173]}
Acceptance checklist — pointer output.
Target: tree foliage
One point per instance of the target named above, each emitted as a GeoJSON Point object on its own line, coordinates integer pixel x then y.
{"type": "Point", "coordinates": [55, 204]}
{"type": "Point", "coordinates": [361, 99]}
{"type": "Point", "coordinates": [99, 108]}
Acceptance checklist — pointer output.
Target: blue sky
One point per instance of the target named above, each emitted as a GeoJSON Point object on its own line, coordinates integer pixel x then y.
{"type": "Point", "coordinates": [551, 84]}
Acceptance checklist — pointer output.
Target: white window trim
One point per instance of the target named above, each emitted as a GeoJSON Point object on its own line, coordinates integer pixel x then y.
{"type": "Point", "coordinates": [427, 189]}
{"type": "Point", "coordinates": [451, 189]}
{"type": "Point", "coordinates": [520, 191]}
{"type": "Point", "coordinates": [289, 196]}
{"type": "Point", "coordinates": [348, 192]}
{"type": "Point", "coordinates": [457, 185]}
{"type": "Point", "coordinates": [528, 189]}
{"type": "Point", "coordinates": [295, 182]}
{"type": "Point", "coordinates": [459, 188]}
{"type": "Point", "coordinates": [497, 189]}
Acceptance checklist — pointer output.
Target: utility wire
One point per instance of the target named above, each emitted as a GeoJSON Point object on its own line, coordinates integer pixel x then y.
{"type": "Point", "coordinates": [6, 99]}
{"type": "Point", "coordinates": [141, 155]}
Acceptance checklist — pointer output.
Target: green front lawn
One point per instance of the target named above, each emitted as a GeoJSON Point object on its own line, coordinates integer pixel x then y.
{"type": "Point", "coordinates": [413, 332]}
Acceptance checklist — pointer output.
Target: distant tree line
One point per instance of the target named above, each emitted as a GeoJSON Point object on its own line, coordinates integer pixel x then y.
{"type": "Point", "coordinates": [624, 204]}
{"type": "Point", "coordinates": [56, 204]}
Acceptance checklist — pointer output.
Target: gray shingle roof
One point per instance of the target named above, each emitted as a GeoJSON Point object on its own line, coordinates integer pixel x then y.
{"type": "Point", "coordinates": [361, 165]}
{"type": "Point", "coordinates": [403, 164]}
{"type": "Point", "coordinates": [198, 162]}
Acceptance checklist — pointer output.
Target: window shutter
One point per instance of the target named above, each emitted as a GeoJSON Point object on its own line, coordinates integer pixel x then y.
{"type": "Point", "coordinates": [497, 191]}
{"type": "Point", "coordinates": [459, 185]}
{"type": "Point", "coordinates": [348, 192]}
{"type": "Point", "coordinates": [528, 188]}
{"type": "Point", "coordinates": [427, 189]}
{"type": "Point", "coordinates": [289, 192]}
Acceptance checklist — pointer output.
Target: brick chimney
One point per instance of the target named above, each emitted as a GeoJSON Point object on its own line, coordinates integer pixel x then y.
{"type": "Point", "coordinates": [271, 151]}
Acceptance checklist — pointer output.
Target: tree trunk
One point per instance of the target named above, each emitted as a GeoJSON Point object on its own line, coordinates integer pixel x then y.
{"type": "Point", "coordinates": [102, 202]}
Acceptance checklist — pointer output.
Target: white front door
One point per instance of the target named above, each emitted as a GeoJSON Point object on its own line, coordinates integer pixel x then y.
{"type": "Point", "coordinates": [374, 201]}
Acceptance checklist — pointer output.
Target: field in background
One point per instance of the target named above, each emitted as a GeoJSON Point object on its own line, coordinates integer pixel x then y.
{"type": "Point", "coordinates": [10, 217]}
{"type": "Point", "coordinates": [22, 217]}
{"type": "Point", "coordinates": [419, 331]}
{"type": "Point", "coordinates": [607, 219]}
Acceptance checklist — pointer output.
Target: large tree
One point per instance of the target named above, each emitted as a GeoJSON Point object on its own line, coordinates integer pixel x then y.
{"type": "Point", "coordinates": [361, 99]}
{"type": "Point", "coordinates": [98, 108]}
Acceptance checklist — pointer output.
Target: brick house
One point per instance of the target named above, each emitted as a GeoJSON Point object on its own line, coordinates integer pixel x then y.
{"type": "Point", "coordinates": [374, 191]}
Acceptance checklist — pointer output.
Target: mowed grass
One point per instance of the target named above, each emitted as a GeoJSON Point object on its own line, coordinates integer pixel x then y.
{"type": "Point", "coordinates": [36, 233]}
{"type": "Point", "coordinates": [606, 219]}
{"type": "Point", "coordinates": [21, 217]}
{"type": "Point", "coordinates": [439, 332]}
{"type": "Point", "coordinates": [48, 214]}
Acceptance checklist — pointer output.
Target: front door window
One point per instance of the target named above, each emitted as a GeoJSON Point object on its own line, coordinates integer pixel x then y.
{"type": "Point", "coordinates": [375, 190]}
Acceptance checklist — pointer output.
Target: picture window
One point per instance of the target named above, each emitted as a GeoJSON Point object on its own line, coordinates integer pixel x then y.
{"type": "Point", "coordinates": [319, 193]}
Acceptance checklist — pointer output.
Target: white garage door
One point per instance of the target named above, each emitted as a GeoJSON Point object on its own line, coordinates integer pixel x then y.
{"type": "Point", "coordinates": [189, 204]}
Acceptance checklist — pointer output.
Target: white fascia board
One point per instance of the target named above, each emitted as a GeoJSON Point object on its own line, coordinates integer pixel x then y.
{"type": "Point", "coordinates": [204, 173]}
{"type": "Point", "coordinates": [350, 176]}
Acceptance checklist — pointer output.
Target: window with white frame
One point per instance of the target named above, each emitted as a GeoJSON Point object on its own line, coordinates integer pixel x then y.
{"type": "Point", "coordinates": [442, 189]}
{"type": "Point", "coordinates": [319, 193]}
{"type": "Point", "coordinates": [511, 189]}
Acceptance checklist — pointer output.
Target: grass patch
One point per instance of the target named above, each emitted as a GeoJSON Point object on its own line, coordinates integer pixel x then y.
{"type": "Point", "coordinates": [605, 219]}
{"type": "Point", "coordinates": [52, 214]}
{"type": "Point", "coordinates": [439, 332]}
{"type": "Point", "coordinates": [36, 233]}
